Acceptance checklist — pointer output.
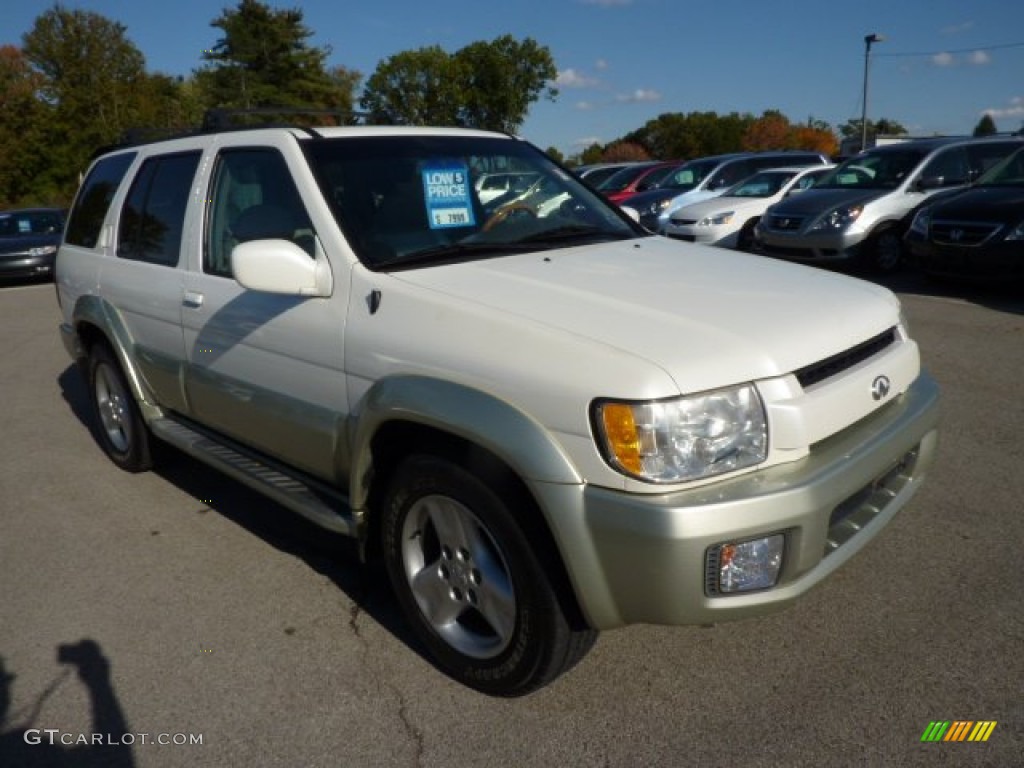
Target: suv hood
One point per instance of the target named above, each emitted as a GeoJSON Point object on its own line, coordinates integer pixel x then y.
{"type": "Point", "coordinates": [706, 316]}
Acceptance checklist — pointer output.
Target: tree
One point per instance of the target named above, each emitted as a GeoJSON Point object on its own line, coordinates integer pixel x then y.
{"type": "Point", "coordinates": [555, 154]}
{"type": "Point", "coordinates": [624, 152]}
{"type": "Point", "coordinates": [986, 126]}
{"type": "Point", "coordinates": [852, 128]}
{"type": "Point", "coordinates": [484, 85]}
{"type": "Point", "coordinates": [770, 131]}
{"type": "Point", "coordinates": [22, 146]}
{"type": "Point", "coordinates": [263, 60]}
{"type": "Point", "coordinates": [94, 83]}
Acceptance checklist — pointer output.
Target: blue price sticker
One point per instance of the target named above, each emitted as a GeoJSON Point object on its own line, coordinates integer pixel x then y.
{"type": "Point", "coordinates": [447, 192]}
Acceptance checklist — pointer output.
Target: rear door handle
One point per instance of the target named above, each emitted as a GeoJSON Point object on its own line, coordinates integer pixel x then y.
{"type": "Point", "coordinates": [192, 299]}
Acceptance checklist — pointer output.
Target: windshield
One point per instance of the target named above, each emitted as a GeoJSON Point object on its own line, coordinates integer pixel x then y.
{"type": "Point", "coordinates": [689, 175]}
{"type": "Point", "coordinates": [763, 184]}
{"type": "Point", "coordinates": [873, 170]}
{"type": "Point", "coordinates": [413, 200]}
{"type": "Point", "coordinates": [1008, 173]}
{"type": "Point", "coordinates": [621, 179]}
{"type": "Point", "coordinates": [28, 223]}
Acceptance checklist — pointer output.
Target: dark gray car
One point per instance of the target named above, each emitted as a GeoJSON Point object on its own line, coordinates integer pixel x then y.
{"type": "Point", "coordinates": [29, 239]}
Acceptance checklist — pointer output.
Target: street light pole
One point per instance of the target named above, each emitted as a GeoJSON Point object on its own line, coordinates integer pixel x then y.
{"type": "Point", "coordinates": [868, 40]}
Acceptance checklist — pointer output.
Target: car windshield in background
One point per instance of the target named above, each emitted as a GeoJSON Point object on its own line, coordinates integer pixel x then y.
{"type": "Point", "coordinates": [763, 184]}
{"type": "Point", "coordinates": [1008, 173]}
{"type": "Point", "coordinates": [880, 170]}
{"type": "Point", "coordinates": [406, 201]}
{"type": "Point", "coordinates": [30, 223]}
{"type": "Point", "coordinates": [689, 176]}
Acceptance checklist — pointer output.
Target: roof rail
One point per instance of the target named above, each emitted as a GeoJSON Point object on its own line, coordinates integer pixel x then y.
{"type": "Point", "coordinates": [231, 118]}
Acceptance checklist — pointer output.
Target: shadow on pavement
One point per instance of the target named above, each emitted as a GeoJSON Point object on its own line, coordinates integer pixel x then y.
{"type": "Point", "coordinates": [25, 742]}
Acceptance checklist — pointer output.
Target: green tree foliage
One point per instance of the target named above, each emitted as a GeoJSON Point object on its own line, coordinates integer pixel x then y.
{"type": "Point", "coordinates": [263, 60]}
{"type": "Point", "coordinates": [986, 126]}
{"type": "Point", "coordinates": [883, 126]}
{"type": "Point", "coordinates": [624, 152]}
{"type": "Point", "coordinates": [555, 155]}
{"type": "Point", "coordinates": [95, 84]}
{"type": "Point", "coordinates": [484, 85]}
{"type": "Point", "coordinates": [25, 116]}
{"type": "Point", "coordinates": [695, 134]}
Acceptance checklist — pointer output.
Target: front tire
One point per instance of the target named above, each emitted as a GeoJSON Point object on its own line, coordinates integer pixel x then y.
{"type": "Point", "coordinates": [883, 252]}
{"type": "Point", "coordinates": [121, 431]}
{"type": "Point", "coordinates": [470, 584]}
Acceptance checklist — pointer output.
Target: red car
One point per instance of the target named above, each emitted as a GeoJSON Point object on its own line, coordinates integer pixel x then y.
{"type": "Point", "coordinates": [628, 181]}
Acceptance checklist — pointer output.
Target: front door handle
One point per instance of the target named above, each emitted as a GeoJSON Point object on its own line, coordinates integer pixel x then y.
{"type": "Point", "coordinates": [193, 299]}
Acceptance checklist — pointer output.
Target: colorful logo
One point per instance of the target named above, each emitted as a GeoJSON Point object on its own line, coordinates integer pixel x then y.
{"type": "Point", "coordinates": [958, 730]}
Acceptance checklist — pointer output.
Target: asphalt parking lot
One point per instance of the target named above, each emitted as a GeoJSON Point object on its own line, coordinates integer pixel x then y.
{"type": "Point", "coordinates": [177, 606]}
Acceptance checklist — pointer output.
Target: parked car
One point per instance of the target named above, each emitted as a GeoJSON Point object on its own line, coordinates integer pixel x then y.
{"type": "Point", "coordinates": [598, 172]}
{"type": "Point", "coordinates": [976, 233]}
{"type": "Point", "coordinates": [28, 241]}
{"type": "Point", "coordinates": [728, 220]}
{"type": "Point", "coordinates": [859, 214]}
{"type": "Point", "coordinates": [626, 181]}
{"type": "Point", "coordinates": [546, 423]}
{"type": "Point", "coordinates": [707, 177]}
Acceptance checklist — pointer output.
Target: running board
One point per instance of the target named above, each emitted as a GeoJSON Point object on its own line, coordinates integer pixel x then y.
{"type": "Point", "coordinates": [314, 501]}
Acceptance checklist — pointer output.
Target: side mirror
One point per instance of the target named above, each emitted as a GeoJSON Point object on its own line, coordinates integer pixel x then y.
{"type": "Point", "coordinates": [279, 266]}
{"type": "Point", "coordinates": [633, 213]}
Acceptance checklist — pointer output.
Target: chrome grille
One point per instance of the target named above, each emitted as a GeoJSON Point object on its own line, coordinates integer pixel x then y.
{"type": "Point", "coordinates": [965, 234]}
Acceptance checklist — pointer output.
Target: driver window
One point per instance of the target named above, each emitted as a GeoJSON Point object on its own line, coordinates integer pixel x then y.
{"type": "Point", "coordinates": [950, 166]}
{"type": "Point", "coordinates": [253, 198]}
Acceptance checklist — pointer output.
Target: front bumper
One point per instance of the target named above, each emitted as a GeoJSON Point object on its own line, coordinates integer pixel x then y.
{"type": "Point", "coordinates": [13, 265]}
{"type": "Point", "coordinates": [641, 558]}
{"type": "Point", "coordinates": [821, 248]}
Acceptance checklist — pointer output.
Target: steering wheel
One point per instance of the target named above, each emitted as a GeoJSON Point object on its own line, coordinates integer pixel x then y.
{"type": "Point", "coordinates": [503, 213]}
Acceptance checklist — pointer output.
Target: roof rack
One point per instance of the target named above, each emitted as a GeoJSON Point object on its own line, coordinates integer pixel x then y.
{"type": "Point", "coordinates": [230, 118]}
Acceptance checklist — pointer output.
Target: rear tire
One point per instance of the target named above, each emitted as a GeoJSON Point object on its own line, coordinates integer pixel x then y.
{"type": "Point", "coordinates": [122, 433]}
{"type": "Point", "coordinates": [469, 582]}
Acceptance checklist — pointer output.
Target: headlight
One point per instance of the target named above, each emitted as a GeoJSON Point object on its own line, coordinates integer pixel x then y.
{"type": "Point", "coordinates": [716, 219]}
{"type": "Point", "coordinates": [685, 438]}
{"type": "Point", "coordinates": [1017, 233]}
{"type": "Point", "coordinates": [839, 218]}
{"type": "Point", "coordinates": [921, 222]}
{"type": "Point", "coordinates": [42, 250]}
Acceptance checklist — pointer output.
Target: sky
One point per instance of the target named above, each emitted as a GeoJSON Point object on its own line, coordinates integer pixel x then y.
{"type": "Point", "coordinates": [941, 66]}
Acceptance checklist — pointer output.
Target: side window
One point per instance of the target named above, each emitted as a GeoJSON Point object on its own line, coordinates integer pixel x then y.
{"type": "Point", "coordinates": [730, 174]}
{"type": "Point", "coordinates": [94, 198]}
{"type": "Point", "coordinates": [253, 197]}
{"type": "Point", "coordinates": [154, 211]}
{"type": "Point", "coordinates": [948, 168]}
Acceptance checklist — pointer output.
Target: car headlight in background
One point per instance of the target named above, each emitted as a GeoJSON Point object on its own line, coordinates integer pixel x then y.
{"type": "Point", "coordinates": [716, 219]}
{"type": "Point", "coordinates": [839, 218]}
{"type": "Point", "coordinates": [684, 438]}
{"type": "Point", "coordinates": [922, 220]}
{"type": "Point", "coordinates": [42, 250]}
{"type": "Point", "coordinates": [658, 207]}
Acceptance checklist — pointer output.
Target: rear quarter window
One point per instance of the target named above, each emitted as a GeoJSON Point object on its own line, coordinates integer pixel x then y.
{"type": "Point", "coordinates": [94, 198]}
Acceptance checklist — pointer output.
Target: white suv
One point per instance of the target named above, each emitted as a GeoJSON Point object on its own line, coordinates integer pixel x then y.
{"type": "Point", "coordinates": [546, 421]}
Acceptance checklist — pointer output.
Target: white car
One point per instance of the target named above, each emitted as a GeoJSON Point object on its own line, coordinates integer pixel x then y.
{"type": "Point", "coordinates": [729, 219]}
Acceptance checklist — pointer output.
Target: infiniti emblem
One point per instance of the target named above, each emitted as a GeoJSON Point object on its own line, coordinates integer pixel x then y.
{"type": "Point", "coordinates": [880, 387]}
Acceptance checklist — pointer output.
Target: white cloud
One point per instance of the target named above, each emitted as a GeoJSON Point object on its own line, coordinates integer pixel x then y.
{"type": "Point", "coordinates": [943, 59]}
{"type": "Point", "coordinates": [980, 58]}
{"type": "Point", "coordinates": [1016, 109]}
{"type": "Point", "coordinates": [600, 64]}
{"type": "Point", "coordinates": [639, 95]}
{"type": "Point", "coordinates": [570, 78]}
{"type": "Point", "coordinates": [587, 141]}
{"type": "Point", "coordinates": [584, 106]}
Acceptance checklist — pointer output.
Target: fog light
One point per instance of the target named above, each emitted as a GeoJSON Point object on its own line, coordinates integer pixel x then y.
{"type": "Point", "coordinates": [745, 566]}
